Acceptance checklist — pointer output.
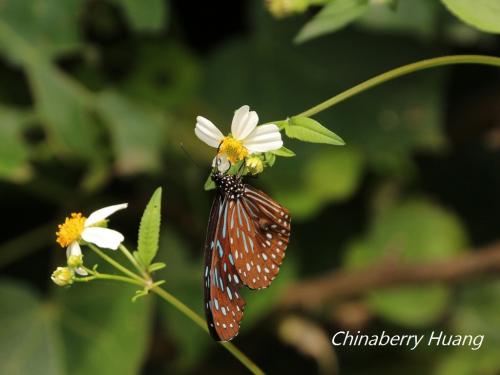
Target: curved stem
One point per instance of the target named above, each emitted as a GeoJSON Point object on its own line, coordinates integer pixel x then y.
{"type": "Point", "coordinates": [398, 72]}
{"type": "Point", "coordinates": [247, 362]}
{"type": "Point", "coordinates": [115, 264]}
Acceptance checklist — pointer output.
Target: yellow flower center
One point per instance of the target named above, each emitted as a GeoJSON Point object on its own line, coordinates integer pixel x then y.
{"type": "Point", "coordinates": [234, 149]}
{"type": "Point", "coordinates": [71, 229]}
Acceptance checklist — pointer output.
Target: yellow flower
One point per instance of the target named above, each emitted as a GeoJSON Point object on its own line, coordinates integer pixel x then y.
{"type": "Point", "coordinates": [77, 227]}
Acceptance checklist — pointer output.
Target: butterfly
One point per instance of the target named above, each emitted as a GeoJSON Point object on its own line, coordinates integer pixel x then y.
{"type": "Point", "coordinates": [248, 233]}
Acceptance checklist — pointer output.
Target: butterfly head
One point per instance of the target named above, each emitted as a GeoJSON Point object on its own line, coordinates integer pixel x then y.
{"type": "Point", "coordinates": [232, 186]}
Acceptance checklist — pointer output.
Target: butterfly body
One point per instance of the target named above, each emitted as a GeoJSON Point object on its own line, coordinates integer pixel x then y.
{"type": "Point", "coordinates": [248, 233]}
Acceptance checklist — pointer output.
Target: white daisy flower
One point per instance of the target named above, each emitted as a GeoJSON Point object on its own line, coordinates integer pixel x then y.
{"type": "Point", "coordinates": [245, 139]}
{"type": "Point", "coordinates": [77, 227]}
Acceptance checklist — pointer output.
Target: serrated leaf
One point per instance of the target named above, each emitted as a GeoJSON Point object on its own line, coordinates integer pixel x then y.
{"type": "Point", "coordinates": [308, 130]}
{"type": "Point", "coordinates": [335, 15]}
{"type": "Point", "coordinates": [285, 152]}
{"type": "Point", "coordinates": [149, 230]}
{"type": "Point", "coordinates": [482, 14]}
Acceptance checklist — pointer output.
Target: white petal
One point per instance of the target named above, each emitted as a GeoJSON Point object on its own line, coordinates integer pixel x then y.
{"type": "Point", "coordinates": [222, 163]}
{"type": "Point", "coordinates": [99, 215]}
{"type": "Point", "coordinates": [81, 271]}
{"type": "Point", "coordinates": [73, 249]}
{"type": "Point", "coordinates": [206, 131]}
{"type": "Point", "coordinates": [264, 138]}
{"type": "Point", "coordinates": [103, 237]}
{"type": "Point", "coordinates": [244, 122]}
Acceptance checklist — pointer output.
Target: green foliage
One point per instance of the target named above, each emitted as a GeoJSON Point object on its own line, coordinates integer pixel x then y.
{"type": "Point", "coordinates": [29, 339]}
{"type": "Point", "coordinates": [285, 152]}
{"type": "Point", "coordinates": [146, 15]}
{"type": "Point", "coordinates": [100, 325]}
{"type": "Point", "coordinates": [411, 232]}
{"type": "Point", "coordinates": [483, 14]}
{"type": "Point", "coordinates": [183, 279]}
{"type": "Point", "coordinates": [476, 314]}
{"type": "Point", "coordinates": [335, 15]}
{"type": "Point", "coordinates": [14, 151]}
{"type": "Point", "coordinates": [61, 106]}
{"type": "Point", "coordinates": [309, 130]}
{"type": "Point", "coordinates": [149, 230]}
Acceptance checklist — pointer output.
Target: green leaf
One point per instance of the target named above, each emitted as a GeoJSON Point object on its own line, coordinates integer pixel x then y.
{"type": "Point", "coordinates": [209, 184]}
{"type": "Point", "coordinates": [270, 158]}
{"type": "Point", "coordinates": [45, 28]}
{"type": "Point", "coordinates": [308, 130]}
{"type": "Point", "coordinates": [29, 340]}
{"type": "Point", "coordinates": [136, 132]}
{"type": "Point", "coordinates": [149, 230]}
{"type": "Point", "coordinates": [334, 16]}
{"type": "Point", "coordinates": [285, 152]}
{"type": "Point", "coordinates": [13, 149]}
{"type": "Point", "coordinates": [63, 109]}
{"type": "Point", "coordinates": [412, 232]}
{"type": "Point", "coordinates": [482, 14]}
{"type": "Point", "coordinates": [156, 266]}
{"type": "Point", "coordinates": [103, 331]}
{"type": "Point", "coordinates": [145, 15]}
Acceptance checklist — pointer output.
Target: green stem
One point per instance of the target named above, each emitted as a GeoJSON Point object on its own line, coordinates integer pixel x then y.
{"type": "Point", "coordinates": [398, 72]}
{"type": "Point", "coordinates": [105, 276]}
{"type": "Point", "coordinates": [247, 362]}
{"type": "Point", "coordinates": [132, 260]}
{"type": "Point", "coordinates": [115, 264]}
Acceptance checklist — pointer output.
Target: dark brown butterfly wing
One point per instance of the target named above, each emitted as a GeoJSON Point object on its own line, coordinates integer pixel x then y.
{"type": "Point", "coordinates": [259, 231]}
{"type": "Point", "coordinates": [223, 304]}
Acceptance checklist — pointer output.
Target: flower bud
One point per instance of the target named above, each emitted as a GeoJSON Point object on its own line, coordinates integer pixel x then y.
{"type": "Point", "coordinates": [75, 261]}
{"type": "Point", "coordinates": [254, 165]}
{"type": "Point", "coordinates": [284, 8]}
{"type": "Point", "coordinates": [62, 276]}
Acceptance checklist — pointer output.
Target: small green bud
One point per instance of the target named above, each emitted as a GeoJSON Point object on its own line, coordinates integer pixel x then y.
{"type": "Point", "coordinates": [63, 276]}
{"type": "Point", "coordinates": [254, 165]}
{"type": "Point", "coordinates": [75, 261]}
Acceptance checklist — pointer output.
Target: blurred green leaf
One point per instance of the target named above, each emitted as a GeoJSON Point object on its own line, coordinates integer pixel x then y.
{"type": "Point", "coordinates": [166, 73]}
{"type": "Point", "coordinates": [29, 339]}
{"type": "Point", "coordinates": [136, 130]}
{"type": "Point", "coordinates": [145, 15]}
{"type": "Point", "coordinates": [420, 18]}
{"type": "Point", "coordinates": [29, 29]}
{"type": "Point", "coordinates": [414, 231]}
{"type": "Point", "coordinates": [335, 15]}
{"type": "Point", "coordinates": [149, 230]}
{"type": "Point", "coordinates": [328, 175]}
{"type": "Point", "coordinates": [309, 130]}
{"type": "Point", "coordinates": [482, 14]}
{"type": "Point", "coordinates": [475, 313]}
{"type": "Point", "coordinates": [103, 331]}
{"type": "Point", "coordinates": [184, 278]}
{"type": "Point", "coordinates": [14, 151]}
{"type": "Point", "coordinates": [62, 106]}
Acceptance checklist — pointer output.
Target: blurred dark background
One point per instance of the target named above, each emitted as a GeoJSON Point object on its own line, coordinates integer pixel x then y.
{"type": "Point", "coordinates": [95, 99]}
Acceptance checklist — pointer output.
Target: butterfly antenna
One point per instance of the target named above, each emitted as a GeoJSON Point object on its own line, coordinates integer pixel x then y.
{"type": "Point", "coordinates": [188, 155]}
